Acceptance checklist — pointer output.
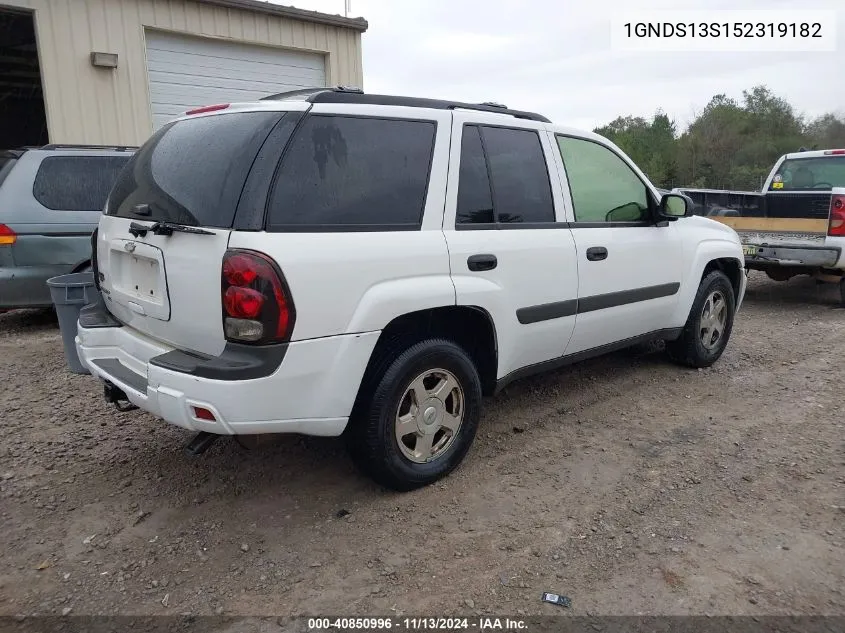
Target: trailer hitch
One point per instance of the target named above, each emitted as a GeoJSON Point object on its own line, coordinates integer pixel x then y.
{"type": "Point", "coordinates": [117, 397]}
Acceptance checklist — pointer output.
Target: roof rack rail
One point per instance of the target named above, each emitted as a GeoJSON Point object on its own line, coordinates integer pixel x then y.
{"type": "Point", "coordinates": [119, 148]}
{"type": "Point", "coordinates": [293, 94]}
{"type": "Point", "coordinates": [344, 94]}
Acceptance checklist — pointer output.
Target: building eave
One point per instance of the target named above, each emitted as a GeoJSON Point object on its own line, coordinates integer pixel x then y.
{"type": "Point", "coordinates": [357, 24]}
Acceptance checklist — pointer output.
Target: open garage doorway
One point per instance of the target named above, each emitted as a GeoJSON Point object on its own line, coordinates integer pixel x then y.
{"type": "Point", "coordinates": [23, 121]}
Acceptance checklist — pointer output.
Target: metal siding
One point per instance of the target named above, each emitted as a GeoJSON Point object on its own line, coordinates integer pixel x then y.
{"type": "Point", "coordinates": [187, 72]}
{"type": "Point", "coordinates": [96, 105]}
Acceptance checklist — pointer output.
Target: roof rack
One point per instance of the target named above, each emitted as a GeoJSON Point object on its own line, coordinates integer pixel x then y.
{"type": "Point", "coordinates": [344, 94]}
{"type": "Point", "coordinates": [119, 148]}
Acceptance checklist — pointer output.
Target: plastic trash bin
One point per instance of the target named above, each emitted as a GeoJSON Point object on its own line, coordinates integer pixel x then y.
{"type": "Point", "coordinates": [70, 293]}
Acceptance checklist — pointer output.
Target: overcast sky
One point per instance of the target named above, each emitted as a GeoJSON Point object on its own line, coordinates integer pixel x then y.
{"type": "Point", "coordinates": [554, 57]}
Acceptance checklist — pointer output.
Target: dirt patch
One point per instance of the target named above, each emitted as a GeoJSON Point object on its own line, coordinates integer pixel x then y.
{"type": "Point", "coordinates": [626, 483]}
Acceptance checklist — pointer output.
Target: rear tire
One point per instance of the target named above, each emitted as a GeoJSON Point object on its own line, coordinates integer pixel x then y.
{"type": "Point", "coordinates": [842, 292]}
{"type": "Point", "coordinates": [417, 415]}
{"type": "Point", "coordinates": [709, 325]}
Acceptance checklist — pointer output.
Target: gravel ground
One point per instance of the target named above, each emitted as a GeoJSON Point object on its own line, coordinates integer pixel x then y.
{"type": "Point", "coordinates": [625, 483]}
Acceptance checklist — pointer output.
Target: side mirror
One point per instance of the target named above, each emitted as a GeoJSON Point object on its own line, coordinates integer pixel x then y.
{"type": "Point", "coordinates": [674, 206]}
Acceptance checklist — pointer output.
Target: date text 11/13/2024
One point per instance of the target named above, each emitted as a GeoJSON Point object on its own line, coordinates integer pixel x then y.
{"type": "Point", "coordinates": [481, 624]}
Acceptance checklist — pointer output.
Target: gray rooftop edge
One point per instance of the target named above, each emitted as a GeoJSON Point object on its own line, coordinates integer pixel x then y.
{"type": "Point", "coordinates": [357, 24]}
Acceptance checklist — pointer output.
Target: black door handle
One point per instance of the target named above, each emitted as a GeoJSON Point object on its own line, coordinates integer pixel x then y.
{"type": "Point", "coordinates": [481, 262]}
{"type": "Point", "coordinates": [596, 253]}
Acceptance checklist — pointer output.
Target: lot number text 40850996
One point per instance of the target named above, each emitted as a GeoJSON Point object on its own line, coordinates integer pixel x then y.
{"type": "Point", "coordinates": [481, 624]}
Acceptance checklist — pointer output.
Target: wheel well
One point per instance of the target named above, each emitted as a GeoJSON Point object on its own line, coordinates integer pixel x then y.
{"type": "Point", "coordinates": [467, 326]}
{"type": "Point", "coordinates": [732, 269]}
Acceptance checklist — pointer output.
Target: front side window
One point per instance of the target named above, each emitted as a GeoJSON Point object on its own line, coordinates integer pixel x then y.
{"type": "Point", "coordinates": [76, 183]}
{"type": "Point", "coordinates": [603, 187]}
{"type": "Point", "coordinates": [356, 172]}
{"type": "Point", "coordinates": [503, 178]}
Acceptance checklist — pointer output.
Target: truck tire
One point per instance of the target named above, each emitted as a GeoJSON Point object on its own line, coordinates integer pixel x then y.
{"type": "Point", "coordinates": [417, 416]}
{"type": "Point", "coordinates": [709, 325]}
{"type": "Point", "coordinates": [842, 292]}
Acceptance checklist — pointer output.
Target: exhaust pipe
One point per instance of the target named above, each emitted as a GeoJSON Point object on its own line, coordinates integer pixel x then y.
{"type": "Point", "coordinates": [201, 443]}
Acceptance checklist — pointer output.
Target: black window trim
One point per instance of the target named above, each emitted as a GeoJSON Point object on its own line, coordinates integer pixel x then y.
{"type": "Point", "coordinates": [506, 226]}
{"type": "Point", "coordinates": [244, 221]}
{"type": "Point", "coordinates": [652, 203]}
{"type": "Point", "coordinates": [348, 228]}
{"type": "Point", "coordinates": [35, 197]}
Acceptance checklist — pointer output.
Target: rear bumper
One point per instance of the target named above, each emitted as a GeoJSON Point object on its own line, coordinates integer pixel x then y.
{"type": "Point", "coordinates": [794, 255]}
{"type": "Point", "coordinates": [311, 392]}
{"type": "Point", "coordinates": [26, 286]}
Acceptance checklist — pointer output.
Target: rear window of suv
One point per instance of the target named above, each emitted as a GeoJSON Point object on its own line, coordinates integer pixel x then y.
{"type": "Point", "coordinates": [353, 173]}
{"type": "Point", "coordinates": [76, 183]}
{"type": "Point", "coordinates": [193, 171]}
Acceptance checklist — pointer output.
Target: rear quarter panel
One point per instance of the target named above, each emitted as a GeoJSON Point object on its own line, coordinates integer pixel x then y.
{"type": "Point", "coordinates": [353, 282]}
{"type": "Point", "coordinates": [53, 245]}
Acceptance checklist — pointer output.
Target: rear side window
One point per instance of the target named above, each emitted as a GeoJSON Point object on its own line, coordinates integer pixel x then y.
{"type": "Point", "coordinates": [193, 171]}
{"type": "Point", "coordinates": [475, 201]}
{"type": "Point", "coordinates": [353, 173]}
{"type": "Point", "coordinates": [503, 178]}
{"type": "Point", "coordinates": [76, 183]}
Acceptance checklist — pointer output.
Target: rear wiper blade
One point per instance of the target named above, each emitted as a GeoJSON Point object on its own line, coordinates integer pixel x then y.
{"type": "Point", "coordinates": [164, 228]}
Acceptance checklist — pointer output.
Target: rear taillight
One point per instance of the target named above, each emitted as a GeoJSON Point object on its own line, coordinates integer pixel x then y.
{"type": "Point", "coordinates": [7, 236]}
{"type": "Point", "coordinates": [836, 224]}
{"type": "Point", "coordinates": [257, 306]}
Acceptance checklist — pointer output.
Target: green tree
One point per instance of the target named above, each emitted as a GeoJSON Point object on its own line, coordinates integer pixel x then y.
{"type": "Point", "coordinates": [826, 132]}
{"type": "Point", "coordinates": [650, 144]}
{"type": "Point", "coordinates": [730, 144]}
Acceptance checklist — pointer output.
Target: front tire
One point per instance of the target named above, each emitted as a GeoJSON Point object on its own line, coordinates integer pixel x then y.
{"type": "Point", "coordinates": [417, 416]}
{"type": "Point", "coordinates": [709, 325]}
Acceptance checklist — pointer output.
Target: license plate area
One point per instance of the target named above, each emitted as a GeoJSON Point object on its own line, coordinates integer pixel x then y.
{"type": "Point", "coordinates": [138, 278]}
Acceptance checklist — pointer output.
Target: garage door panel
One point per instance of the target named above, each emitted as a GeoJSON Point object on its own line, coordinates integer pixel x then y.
{"type": "Point", "coordinates": [160, 60]}
{"type": "Point", "coordinates": [167, 80]}
{"type": "Point", "coordinates": [186, 72]}
{"type": "Point", "coordinates": [227, 49]}
{"type": "Point", "coordinates": [186, 98]}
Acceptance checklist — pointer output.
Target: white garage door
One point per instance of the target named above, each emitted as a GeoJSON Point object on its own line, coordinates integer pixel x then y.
{"type": "Point", "coordinates": [186, 72]}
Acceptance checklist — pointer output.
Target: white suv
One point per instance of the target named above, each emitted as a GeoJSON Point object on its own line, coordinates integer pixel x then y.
{"type": "Point", "coordinates": [332, 262]}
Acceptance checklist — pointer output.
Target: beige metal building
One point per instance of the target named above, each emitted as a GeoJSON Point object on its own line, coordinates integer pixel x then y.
{"type": "Point", "coordinates": [113, 71]}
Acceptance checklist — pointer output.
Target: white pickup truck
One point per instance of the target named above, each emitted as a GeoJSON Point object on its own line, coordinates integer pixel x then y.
{"type": "Point", "coordinates": [796, 224]}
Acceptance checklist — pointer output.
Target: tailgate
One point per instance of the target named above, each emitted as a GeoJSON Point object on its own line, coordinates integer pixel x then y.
{"type": "Point", "coordinates": [161, 243]}
{"type": "Point", "coordinates": [787, 218]}
{"type": "Point", "coordinates": [167, 287]}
